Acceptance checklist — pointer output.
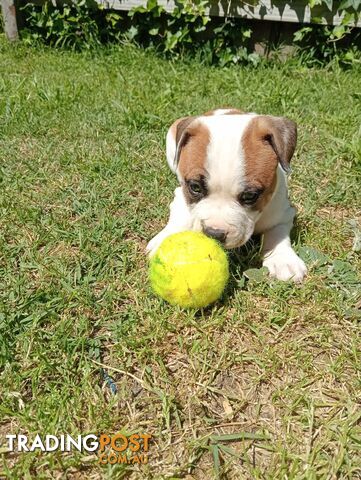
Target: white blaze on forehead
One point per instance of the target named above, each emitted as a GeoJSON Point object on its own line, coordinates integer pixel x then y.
{"type": "Point", "coordinates": [225, 155]}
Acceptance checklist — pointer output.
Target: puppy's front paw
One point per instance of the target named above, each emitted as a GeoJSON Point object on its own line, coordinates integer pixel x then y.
{"type": "Point", "coordinates": [285, 265]}
{"type": "Point", "coordinates": [156, 241]}
{"type": "Point", "coordinates": [153, 245]}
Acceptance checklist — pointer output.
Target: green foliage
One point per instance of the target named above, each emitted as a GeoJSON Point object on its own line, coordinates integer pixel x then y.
{"type": "Point", "coordinates": [322, 43]}
{"type": "Point", "coordinates": [152, 24]}
{"type": "Point", "coordinates": [77, 25]}
{"type": "Point", "coordinates": [188, 28]}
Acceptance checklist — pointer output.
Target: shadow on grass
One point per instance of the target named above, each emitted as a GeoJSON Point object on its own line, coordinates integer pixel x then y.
{"type": "Point", "coordinates": [249, 257]}
{"type": "Point", "coordinates": [241, 259]}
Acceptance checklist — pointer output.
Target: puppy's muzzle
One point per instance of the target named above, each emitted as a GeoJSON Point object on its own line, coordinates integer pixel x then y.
{"type": "Point", "coordinates": [216, 233]}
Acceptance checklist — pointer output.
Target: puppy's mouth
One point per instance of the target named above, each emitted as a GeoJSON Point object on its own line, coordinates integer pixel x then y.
{"type": "Point", "coordinates": [231, 244]}
{"type": "Point", "coordinates": [238, 238]}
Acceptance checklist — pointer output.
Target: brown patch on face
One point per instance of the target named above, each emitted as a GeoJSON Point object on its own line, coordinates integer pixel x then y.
{"type": "Point", "coordinates": [192, 156]}
{"type": "Point", "coordinates": [193, 150]}
{"type": "Point", "coordinates": [260, 161]}
{"type": "Point", "coordinates": [230, 111]}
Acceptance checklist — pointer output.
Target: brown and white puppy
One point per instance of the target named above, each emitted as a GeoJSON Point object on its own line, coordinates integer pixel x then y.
{"type": "Point", "coordinates": [232, 170]}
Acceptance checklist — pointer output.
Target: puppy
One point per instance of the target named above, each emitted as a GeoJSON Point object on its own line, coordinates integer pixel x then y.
{"type": "Point", "coordinates": [232, 171]}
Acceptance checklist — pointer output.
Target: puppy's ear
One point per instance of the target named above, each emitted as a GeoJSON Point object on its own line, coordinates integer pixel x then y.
{"type": "Point", "coordinates": [184, 134]}
{"type": "Point", "coordinates": [281, 134]}
{"type": "Point", "coordinates": [177, 137]}
{"type": "Point", "coordinates": [181, 126]}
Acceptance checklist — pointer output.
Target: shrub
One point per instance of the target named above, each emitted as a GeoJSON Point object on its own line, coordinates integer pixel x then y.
{"type": "Point", "coordinates": [77, 25]}
{"type": "Point", "coordinates": [84, 23]}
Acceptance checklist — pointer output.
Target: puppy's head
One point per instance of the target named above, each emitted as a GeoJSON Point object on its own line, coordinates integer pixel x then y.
{"type": "Point", "coordinates": [227, 164]}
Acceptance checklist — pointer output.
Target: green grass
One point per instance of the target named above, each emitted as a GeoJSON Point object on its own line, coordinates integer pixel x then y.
{"type": "Point", "coordinates": [84, 186]}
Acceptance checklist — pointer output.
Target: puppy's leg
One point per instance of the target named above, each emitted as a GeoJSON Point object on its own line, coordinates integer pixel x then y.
{"type": "Point", "coordinates": [179, 220]}
{"type": "Point", "coordinates": [279, 257]}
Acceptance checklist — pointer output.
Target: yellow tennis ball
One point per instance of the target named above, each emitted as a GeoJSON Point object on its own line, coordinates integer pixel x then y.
{"type": "Point", "coordinates": [189, 270]}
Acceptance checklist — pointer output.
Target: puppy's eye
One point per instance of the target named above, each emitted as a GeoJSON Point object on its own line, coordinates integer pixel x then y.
{"type": "Point", "coordinates": [195, 187]}
{"type": "Point", "coordinates": [249, 198]}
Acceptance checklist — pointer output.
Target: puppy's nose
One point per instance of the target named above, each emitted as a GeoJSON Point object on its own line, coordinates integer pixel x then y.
{"type": "Point", "coordinates": [215, 233]}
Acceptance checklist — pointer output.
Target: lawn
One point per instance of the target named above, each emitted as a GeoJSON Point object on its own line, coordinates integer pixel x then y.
{"type": "Point", "coordinates": [84, 186]}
